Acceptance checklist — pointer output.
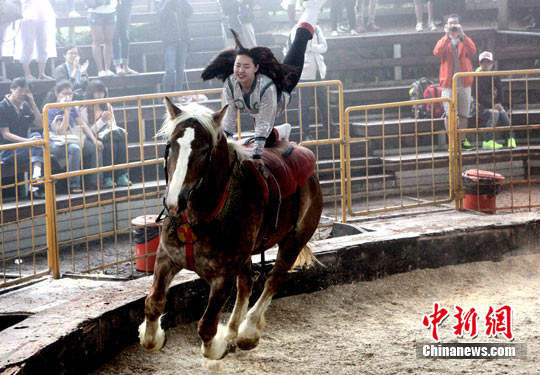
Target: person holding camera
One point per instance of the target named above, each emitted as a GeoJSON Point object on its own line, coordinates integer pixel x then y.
{"type": "Point", "coordinates": [455, 50]}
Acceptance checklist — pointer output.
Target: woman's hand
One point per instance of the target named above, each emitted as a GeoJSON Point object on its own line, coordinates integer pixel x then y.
{"type": "Point", "coordinates": [99, 144]}
{"type": "Point", "coordinates": [106, 116]}
{"type": "Point", "coordinates": [84, 67]}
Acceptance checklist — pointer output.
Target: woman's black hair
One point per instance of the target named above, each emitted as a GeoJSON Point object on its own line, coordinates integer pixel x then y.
{"type": "Point", "coordinates": [53, 93]}
{"type": "Point", "coordinates": [68, 47]}
{"type": "Point", "coordinates": [222, 65]}
{"type": "Point", "coordinates": [95, 86]}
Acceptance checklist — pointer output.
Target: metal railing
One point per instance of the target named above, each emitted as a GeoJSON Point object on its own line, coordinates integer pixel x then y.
{"type": "Point", "coordinates": [91, 232]}
{"type": "Point", "coordinates": [394, 160]}
{"type": "Point", "coordinates": [519, 165]}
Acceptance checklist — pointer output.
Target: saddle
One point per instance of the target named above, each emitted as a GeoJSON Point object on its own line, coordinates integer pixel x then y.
{"type": "Point", "coordinates": [289, 166]}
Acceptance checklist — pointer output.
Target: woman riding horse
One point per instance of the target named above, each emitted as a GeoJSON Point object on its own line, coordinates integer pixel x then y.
{"type": "Point", "coordinates": [218, 217]}
{"type": "Point", "coordinates": [256, 82]}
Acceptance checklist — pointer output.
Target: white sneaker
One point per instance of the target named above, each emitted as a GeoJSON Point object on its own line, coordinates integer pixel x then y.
{"type": "Point", "coordinates": [419, 27]}
{"type": "Point", "coordinates": [284, 131]}
{"type": "Point", "coordinates": [74, 13]}
{"type": "Point", "coordinates": [334, 33]}
{"type": "Point", "coordinates": [431, 26]}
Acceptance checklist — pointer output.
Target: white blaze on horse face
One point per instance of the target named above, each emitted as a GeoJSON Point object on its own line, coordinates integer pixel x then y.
{"type": "Point", "coordinates": [181, 167]}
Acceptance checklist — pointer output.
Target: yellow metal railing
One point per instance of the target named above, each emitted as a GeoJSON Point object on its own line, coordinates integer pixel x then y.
{"type": "Point", "coordinates": [18, 220]}
{"type": "Point", "coordinates": [91, 232]}
{"type": "Point", "coordinates": [389, 138]}
{"type": "Point", "coordinates": [519, 165]}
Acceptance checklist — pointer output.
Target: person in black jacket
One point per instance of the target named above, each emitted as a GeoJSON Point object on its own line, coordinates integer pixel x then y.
{"type": "Point", "coordinates": [489, 97]}
{"type": "Point", "coordinates": [173, 19]}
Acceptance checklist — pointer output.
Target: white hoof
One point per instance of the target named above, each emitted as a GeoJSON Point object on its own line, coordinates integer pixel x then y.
{"type": "Point", "coordinates": [249, 334]}
{"type": "Point", "coordinates": [221, 344]}
{"type": "Point", "coordinates": [151, 341]}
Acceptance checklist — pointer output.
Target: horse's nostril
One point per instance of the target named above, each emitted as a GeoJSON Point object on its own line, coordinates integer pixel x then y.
{"type": "Point", "coordinates": [173, 210]}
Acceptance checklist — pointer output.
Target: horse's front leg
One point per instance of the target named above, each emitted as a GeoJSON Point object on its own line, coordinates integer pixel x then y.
{"type": "Point", "coordinates": [151, 335]}
{"type": "Point", "coordinates": [215, 343]}
{"type": "Point", "coordinates": [244, 286]}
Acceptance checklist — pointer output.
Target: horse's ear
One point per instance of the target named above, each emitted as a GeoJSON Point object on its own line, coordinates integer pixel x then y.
{"type": "Point", "coordinates": [218, 116]}
{"type": "Point", "coordinates": [172, 109]}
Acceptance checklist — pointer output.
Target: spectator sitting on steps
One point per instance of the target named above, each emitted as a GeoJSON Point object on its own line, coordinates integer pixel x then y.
{"type": "Point", "coordinates": [19, 113]}
{"type": "Point", "coordinates": [64, 122]}
{"type": "Point", "coordinates": [71, 70]}
{"type": "Point", "coordinates": [100, 117]}
{"type": "Point", "coordinates": [489, 98]}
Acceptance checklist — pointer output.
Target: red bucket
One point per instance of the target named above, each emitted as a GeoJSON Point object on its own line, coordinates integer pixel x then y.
{"type": "Point", "coordinates": [481, 189]}
{"type": "Point", "coordinates": [146, 242]}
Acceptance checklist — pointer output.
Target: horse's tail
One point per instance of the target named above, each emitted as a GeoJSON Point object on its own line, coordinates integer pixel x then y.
{"type": "Point", "coordinates": [306, 258]}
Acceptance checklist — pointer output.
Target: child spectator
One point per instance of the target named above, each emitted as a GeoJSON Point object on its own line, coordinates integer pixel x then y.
{"type": "Point", "coordinates": [121, 38]}
{"type": "Point", "coordinates": [102, 22]}
{"type": "Point", "coordinates": [71, 70]}
{"type": "Point", "coordinates": [100, 117]}
{"type": "Point", "coordinates": [37, 36]}
{"type": "Point", "coordinates": [19, 113]}
{"type": "Point", "coordinates": [173, 17]}
{"type": "Point", "coordinates": [64, 122]}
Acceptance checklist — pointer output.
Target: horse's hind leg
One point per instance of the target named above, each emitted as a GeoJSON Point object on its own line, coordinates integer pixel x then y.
{"type": "Point", "coordinates": [151, 335]}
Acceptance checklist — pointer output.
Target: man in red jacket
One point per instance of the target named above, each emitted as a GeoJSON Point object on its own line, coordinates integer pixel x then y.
{"type": "Point", "coordinates": [455, 50]}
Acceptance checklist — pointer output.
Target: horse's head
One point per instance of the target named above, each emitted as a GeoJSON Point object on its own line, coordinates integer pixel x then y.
{"type": "Point", "coordinates": [192, 133]}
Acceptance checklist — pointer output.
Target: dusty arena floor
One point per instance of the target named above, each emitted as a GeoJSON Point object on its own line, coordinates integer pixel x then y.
{"type": "Point", "coordinates": [368, 327]}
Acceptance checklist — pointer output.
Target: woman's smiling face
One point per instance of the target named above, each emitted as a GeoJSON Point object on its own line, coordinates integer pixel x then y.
{"type": "Point", "coordinates": [244, 70]}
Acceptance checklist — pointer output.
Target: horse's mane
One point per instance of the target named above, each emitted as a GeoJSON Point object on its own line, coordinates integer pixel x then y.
{"type": "Point", "coordinates": [192, 111]}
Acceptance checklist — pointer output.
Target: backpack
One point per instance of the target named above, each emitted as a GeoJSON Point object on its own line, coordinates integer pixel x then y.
{"type": "Point", "coordinates": [416, 92]}
{"type": "Point", "coordinates": [434, 91]}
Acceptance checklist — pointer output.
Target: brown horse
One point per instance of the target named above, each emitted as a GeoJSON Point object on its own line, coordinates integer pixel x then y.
{"type": "Point", "coordinates": [218, 217]}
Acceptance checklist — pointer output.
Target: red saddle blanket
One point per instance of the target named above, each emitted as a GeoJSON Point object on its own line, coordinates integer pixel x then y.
{"type": "Point", "coordinates": [290, 164]}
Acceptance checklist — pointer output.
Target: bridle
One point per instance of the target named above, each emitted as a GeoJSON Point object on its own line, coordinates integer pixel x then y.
{"type": "Point", "coordinates": [208, 160]}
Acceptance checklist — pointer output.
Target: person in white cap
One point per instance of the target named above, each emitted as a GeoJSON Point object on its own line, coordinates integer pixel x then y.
{"type": "Point", "coordinates": [488, 96]}
{"type": "Point", "coordinates": [256, 82]}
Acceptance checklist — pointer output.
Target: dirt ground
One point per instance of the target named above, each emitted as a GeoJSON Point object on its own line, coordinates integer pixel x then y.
{"type": "Point", "coordinates": [368, 327]}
